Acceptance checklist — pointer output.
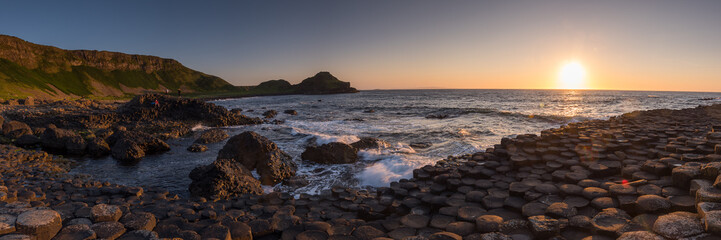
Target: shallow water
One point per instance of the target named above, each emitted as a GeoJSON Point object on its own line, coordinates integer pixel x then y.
{"type": "Point", "coordinates": [476, 119]}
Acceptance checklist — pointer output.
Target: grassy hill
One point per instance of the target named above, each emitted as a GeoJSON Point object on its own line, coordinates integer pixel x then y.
{"type": "Point", "coordinates": [28, 69]}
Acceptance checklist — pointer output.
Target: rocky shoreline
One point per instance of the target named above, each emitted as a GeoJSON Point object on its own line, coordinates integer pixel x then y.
{"type": "Point", "coordinates": [643, 175]}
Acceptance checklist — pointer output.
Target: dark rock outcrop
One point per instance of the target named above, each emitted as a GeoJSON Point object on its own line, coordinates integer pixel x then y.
{"type": "Point", "coordinates": [256, 152]}
{"type": "Point", "coordinates": [143, 108]}
{"type": "Point", "coordinates": [97, 147]}
{"type": "Point", "coordinates": [15, 129]}
{"type": "Point", "coordinates": [323, 83]}
{"type": "Point", "coordinates": [270, 113]}
{"type": "Point", "coordinates": [224, 178]}
{"type": "Point", "coordinates": [212, 136]}
{"type": "Point", "coordinates": [290, 112]}
{"type": "Point", "coordinates": [369, 142]}
{"type": "Point", "coordinates": [197, 148]}
{"type": "Point", "coordinates": [132, 146]}
{"type": "Point", "coordinates": [61, 140]}
{"type": "Point", "coordinates": [331, 153]}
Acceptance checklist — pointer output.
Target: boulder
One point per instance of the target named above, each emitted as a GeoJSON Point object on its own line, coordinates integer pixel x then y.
{"type": "Point", "coordinates": [290, 112]}
{"type": "Point", "coordinates": [256, 152]}
{"type": "Point", "coordinates": [224, 178]}
{"type": "Point", "coordinates": [331, 153]}
{"type": "Point", "coordinates": [105, 213]}
{"type": "Point", "coordinates": [75, 145]}
{"type": "Point", "coordinates": [369, 142]}
{"type": "Point", "coordinates": [133, 145]}
{"type": "Point", "coordinates": [97, 147]}
{"type": "Point", "coordinates": [27, 140]}
{"type": "Point", "coordinates": [15, 129]}
{"type": "Point", "coordinates": [270, 113]}
{"type": "Point", "coordinates": [139, 221]}
{"type": "Point", "coordinates": [212, 136]}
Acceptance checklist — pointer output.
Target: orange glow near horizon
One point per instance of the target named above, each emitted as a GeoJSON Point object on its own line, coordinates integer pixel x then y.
{"type": "Point", "coordinates": [572, 76]}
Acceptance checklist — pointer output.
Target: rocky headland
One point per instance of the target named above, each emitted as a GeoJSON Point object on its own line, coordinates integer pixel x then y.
{"type": "Point", "coordinates": [643, 175]}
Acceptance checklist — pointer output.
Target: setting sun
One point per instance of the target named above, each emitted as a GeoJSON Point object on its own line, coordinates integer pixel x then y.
{"type": "Point", "coordinates": [572, 76]}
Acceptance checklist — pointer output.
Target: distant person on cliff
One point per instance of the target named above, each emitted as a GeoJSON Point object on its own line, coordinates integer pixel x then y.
{"type": "Point", "coordinates": [157, 104]}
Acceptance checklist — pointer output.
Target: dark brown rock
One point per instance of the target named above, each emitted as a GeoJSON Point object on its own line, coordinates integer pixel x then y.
{"type": "Point", "coordinates": [254, 151]}
{"type": "Point", "coordinates": [15, 129]}
{"type": "Point", "coordinates": [331, 153]}
{"type": "Point", "coordinates": [369, 142]}
{"type": "Point", "coordinates": [42, 224]}
{"type": "Point", "coordinates": [223, 178]}
{"type": "Point", "coordinates": [212, 136]}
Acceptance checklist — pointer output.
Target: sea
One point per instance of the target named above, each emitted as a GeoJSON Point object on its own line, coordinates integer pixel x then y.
{"type": "Point", "coordinates": [447, 122]}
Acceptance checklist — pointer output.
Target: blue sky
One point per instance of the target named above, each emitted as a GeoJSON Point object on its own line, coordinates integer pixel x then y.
{"type": "Point", "coordinates": [649, 45]}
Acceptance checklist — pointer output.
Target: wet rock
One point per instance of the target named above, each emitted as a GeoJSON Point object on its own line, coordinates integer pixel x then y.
{"type": "Point", "coordinates": [134, 145]}
{"type": "Point", "coordinates": [677, 225]}
{"type": "Point", "coordinates": [42, 224]}
{"type": "Point", "coordinates": [139, 221]}
{"type": "Point", "coordinates": [224, 178]}
{"type": "Point", "coordinates": [108, 230]}
{"type": "Point", "coordinates": [331, 153]}
{"type": "Point", "coordinates": [369, 142]}
{"type": "Point", "coordinates": [544, 226]}
{"type": "Point", "coordinates": [7, 223]}
{"type": "Point", "coordinates": [256, 152]}
{"type": "Point", "coordinates": [460, 228]}
{"type": "Point", "coordinates": [290, 112]}
{"type": "Point", "coordinates": [212, 136]}
{"type": "Point", "coordinates": [420, 145]}
{"type": "Point", "coordinates": [197, 148]}
{"type": "Point", "coordinates": [73, 232]}
{"type": "Point", "coordinates": [270, 113]}
{"type": "Point", "coordinates": [15, 129]}
{"type": "Point", "coordinates": [415, 220]}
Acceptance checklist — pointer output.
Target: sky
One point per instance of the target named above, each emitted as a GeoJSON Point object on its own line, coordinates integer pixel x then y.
{"type": "Point", "coordinates": [402, 44]}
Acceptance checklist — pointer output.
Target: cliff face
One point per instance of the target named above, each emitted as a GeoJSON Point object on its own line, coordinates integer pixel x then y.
{"type": "Point", "coordinates": [32, 69]}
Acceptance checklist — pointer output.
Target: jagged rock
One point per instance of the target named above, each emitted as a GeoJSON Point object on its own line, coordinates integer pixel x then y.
{"type": "Point", "coordinates": [270, 113]}
{"type": "Point", "coordinates": [544, 226]}
{"type": "Point", "coordinates": [132, 146]}
{"type": "Point", "coordinates": [141, 108]}
{"type": "Point", "coordinates": [677, 225]}
{"type": "Point", "coordinates": [197, 148]}
{"type": "Point", "coordinates": [43, 224]}
{"type": "Point", "coordinates": [108, 230]}
{"type": "Point", "coordinates": [212, 136]}
{"type": "Point", "coordinates": [55, 139]}
{"type": "Point", "coordinates": [97, 147]}
{"type": "Point", "coordinates": [75, 145]}
{"type": "Point", "coordinates": [290, 112]}
{"type": "Point", "coordinates": [256, 152]}
{"type": "Point", "coordinates": [15, 129]}
{"type": "Point", "coordinates": [223, 178]}
{"type": "Point", "coordinates": [331, 153]}
{"type": "Point", "coordinates": [369, 142]}
{"type": "Point", "coordinates": [7, 223]}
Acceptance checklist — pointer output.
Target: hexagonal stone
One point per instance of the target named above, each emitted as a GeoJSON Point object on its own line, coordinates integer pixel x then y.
{"type": "Point", "coordinates": [594, 192]}
{"type": "Point", "coordinates": [415, 220]}
{"type": "Point", "coordinates": [561, 209]}
{"type": "Point", "coordinates": [105, 213]}
{"type": "Point", "coordinates": [640, 235]}
{"type": "Point", "coordinates": [240, 230]}
{"type": "Point", "coordinates": [367, 233]}
{"type": "Point", "coordinates": [677, 225]}
{"type": "Point", "coordinates": [108, 230]}
{"type": "Point", "coordinates": [17, 236]}
{"type": "Point", "coordinates": [708, 194]}
{"type": "Point", "coordinates": [312, 235]}
{"type": "Point", "coordinates": [7, 223]}
{"type": "Point", "coordinates": [444, 236]}
{"type": "Point", "coordinates": [402, 233]}
{"type": "Point", "coordinates": [139, 221]}
{"type": "Point", "coordinates": [470, 213]}
{"type": "Point", "coordinates": [533, 209]}
{"type": "Point", "coordinates": [216, 231]}
{"type": "Point", "coordinates": [489, 223]}
{"type": "Point", "coordinates": [610, 220]}
{"type": "Point", "coordinates": [440, 221]}
{"type": "Point", "coordinates": [73, 232]}
{"type": "Point", "coordinates": [544, 226]}
{"type": "Point", "coordinates": [140, 235]}
{"type": "Point", "coordinates": [713, 221]}
{"type": "Point", "coordinates": [43, 224]}
{"type": "Point", "coordinates": [461, 228]}
{"type": "Point", "coordinates": [652, 203]}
